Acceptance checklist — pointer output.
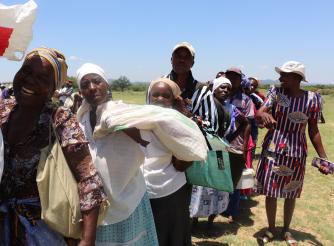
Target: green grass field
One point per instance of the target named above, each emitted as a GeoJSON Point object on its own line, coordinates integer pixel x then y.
{"type": "Point", "coordinates": [313, 221]}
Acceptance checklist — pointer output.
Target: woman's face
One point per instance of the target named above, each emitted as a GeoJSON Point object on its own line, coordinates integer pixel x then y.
{"type": "Point", "coordinates": [94, 89]}
{"type": "Point", "coordinates": [182, 61]}
{"type": "Point", "coordinates": [289, 80]}
{"type": "Point", "coordinates": [161, 95]}
{"type": "Point", "coordinates": [235, 80]}
{"type": "Point", "coordinates": [254, 85]}
{"type": "Point", "coordinates": [222, 92]}
{"type": "Point", "coordinates": [34, 83]}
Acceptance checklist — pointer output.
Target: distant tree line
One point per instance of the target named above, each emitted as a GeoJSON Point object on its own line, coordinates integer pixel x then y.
{"type": "Point", "coordinates": [123, 83]}
{"type": "Point", "coordinates": [120, 84]}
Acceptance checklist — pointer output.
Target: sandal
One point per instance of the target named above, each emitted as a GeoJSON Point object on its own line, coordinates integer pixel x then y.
{"type": "Point", "coordinates": [287, 237]}
{"type": "Point", "coordinates": [266, 238]}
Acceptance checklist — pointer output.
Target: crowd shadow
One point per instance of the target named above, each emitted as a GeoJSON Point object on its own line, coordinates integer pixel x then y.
{"type": "Point", "coordinates": [301, 237]}
{"type": "Point", "coordinates": [210, 243]}
{"type": "Point", "coordinates": [224, 227]}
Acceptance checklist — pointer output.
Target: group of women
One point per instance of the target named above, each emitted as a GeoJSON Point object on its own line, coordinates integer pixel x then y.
{"type": "Point", "coordinates": [142, 179]}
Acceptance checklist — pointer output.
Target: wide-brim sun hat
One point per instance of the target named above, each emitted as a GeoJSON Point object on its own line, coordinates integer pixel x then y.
{"type": "Point", "coordinates": [292, 67]}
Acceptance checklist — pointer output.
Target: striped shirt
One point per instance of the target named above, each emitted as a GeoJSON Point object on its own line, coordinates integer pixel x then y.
{"type": "Point", "coordinates": [202, 101]}
{"type": "Point", "coordinates": [292, 115]}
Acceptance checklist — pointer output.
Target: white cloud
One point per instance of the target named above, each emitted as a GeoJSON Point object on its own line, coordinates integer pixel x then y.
{"type": "Point", "coordinates": [76, 58]}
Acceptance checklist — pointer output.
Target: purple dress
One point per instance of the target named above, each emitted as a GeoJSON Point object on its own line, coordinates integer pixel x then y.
{"type": "Point", "coordinates": [281, 169]}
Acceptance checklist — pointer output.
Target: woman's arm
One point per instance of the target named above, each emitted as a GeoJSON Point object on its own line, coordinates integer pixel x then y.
{"type": "Point", "coordinates": [315, 137]}
{"type": "Point", "coordinates": [77, 154]}
{"type": "Point", "coordinates": [264, 119]}
{"type": "Point", "coordinates": [246, 137]}
{"type": "Point", "coordinates": [89, 227]}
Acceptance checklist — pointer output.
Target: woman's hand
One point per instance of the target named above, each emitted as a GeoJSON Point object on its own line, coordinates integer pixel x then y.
{"type": "Point", "coordinates": [84, 242]}
{"type": "Point", "coordinates": [181, 104]}
{"type": "Point", "coordinates": [179, 165]}
{"type": "Point", "coordinates": [134, 133]}
{"type": "Point", "coordinates": [268, 120]}
{"type": "Point", "coordinates": [323, 169]}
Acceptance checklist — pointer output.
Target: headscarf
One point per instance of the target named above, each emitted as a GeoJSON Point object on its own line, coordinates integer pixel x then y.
{"type": "Point", "coordinates": [220, 81]}
{"type": "Point", "coordinates": [175, 88]}
{"type": "Point", "coordinates": [245, 82]}
{"type": "Point", "coordinates": [255, 79]}
{"type": "Point", "coordinates": [56, 59]}
{"type": "Point", "coordinates": [88, 68]}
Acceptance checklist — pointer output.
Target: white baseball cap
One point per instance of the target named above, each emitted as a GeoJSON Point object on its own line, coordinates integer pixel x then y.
{"type": "Point", "coordinates": [186, 45]}
{"type": "Point", "coordinates": [292, 67]}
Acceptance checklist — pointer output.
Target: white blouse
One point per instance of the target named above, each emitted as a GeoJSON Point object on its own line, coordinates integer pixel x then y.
{"type": "Point", "coordinates": [117, 158]}
{"type": "Point", "coordinates": [161, 178]}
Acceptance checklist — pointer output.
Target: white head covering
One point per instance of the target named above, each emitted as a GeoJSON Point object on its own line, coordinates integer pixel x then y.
{"type": "Point", "coordinates": [220, 81]}
{"type": "Point", "coordinates": [88, 68]}
{"type": "Point", "coordinates": [292, 67]}
{"type": "Point", "coordinates": [174, 87]}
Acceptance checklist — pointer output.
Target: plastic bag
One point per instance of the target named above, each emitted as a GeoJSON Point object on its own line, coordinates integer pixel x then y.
{"type": "Point", "coordinates": [16, 29]}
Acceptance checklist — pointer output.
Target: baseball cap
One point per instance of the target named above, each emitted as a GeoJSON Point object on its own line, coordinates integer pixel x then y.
{"type": "Point", "coordinates": [186, 45]}
{"type": "Point", "coordinates": [235, 70]}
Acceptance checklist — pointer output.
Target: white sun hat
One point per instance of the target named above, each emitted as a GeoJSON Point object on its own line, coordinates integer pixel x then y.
{"type": "Point", "coordinates": [186, 45]}
{"type": "Point", "coordinates": [292, 67]}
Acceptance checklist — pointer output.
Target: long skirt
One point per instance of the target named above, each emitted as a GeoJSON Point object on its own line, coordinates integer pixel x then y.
{"type": "Point", "coordinates": [171, 216]}
{"type": "Point", "coordinates": [137, 230]}
{"type": "Point", "coordinates": [280, 176]}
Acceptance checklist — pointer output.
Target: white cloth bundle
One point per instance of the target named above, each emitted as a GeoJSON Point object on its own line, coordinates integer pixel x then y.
{"type": "Point", "coordinates": [178, 133]}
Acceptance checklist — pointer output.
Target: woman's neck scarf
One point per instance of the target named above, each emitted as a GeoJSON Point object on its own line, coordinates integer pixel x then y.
{"type": "Point", "coordinates": [56, 59]}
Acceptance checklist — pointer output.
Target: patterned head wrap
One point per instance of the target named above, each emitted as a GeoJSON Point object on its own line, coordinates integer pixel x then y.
{"type": "Point", "coordinates": [245, 82]}
{"type": "Point", "coordinates": [56, 59]}
{"type": "Point", "coordinates": [175, 88]}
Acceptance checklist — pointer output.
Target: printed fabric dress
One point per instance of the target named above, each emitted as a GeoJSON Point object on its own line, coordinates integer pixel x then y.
{"type": "Point", "coordinates": [281, 168]}
{"type": "Point", "coordinates": [20, 211]}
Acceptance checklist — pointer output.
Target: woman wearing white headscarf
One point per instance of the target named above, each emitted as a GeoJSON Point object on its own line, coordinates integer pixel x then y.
{"type": "Point", "coordinates": [129, 219]}
{"type": "Point", "coordinates": [208, 202]}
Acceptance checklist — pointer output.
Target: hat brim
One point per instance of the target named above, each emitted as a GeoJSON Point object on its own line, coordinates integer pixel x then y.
{"type": "Point", "coordinates": [279, 70]}
{"type": "Point", "coordinates": [186, 47]}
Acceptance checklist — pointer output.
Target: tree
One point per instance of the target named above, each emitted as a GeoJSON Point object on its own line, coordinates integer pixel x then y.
{"type": "Point", "coordinates": [121, 83]}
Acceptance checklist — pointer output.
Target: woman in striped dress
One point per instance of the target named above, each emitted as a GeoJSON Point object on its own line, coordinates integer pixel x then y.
{"type": "Point", "coordinates": [281, 169]}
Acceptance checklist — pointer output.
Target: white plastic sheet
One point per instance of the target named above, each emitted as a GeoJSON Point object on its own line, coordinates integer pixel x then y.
{"type": "Point", "coordinates": [16, 23]}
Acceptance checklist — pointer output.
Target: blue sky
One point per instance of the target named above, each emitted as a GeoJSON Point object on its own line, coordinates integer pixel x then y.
{"type": "Point", "coordinates": [135, 38]}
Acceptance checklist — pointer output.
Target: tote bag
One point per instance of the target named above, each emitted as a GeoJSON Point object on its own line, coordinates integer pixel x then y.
{"type": "Point", "coordinates": [215, 171]}
{"type": "Point", "coordinates": [58, 192]}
